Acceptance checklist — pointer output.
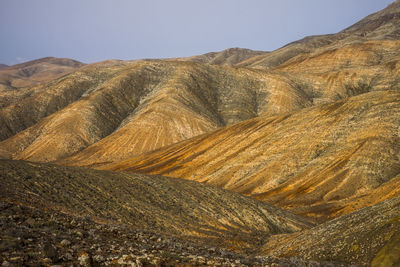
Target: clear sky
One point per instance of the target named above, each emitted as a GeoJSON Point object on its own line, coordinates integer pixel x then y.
{"type": "Point", "coordinates": [95, 30]}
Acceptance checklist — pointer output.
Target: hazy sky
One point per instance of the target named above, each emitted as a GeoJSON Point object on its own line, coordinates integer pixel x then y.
{"type": "Point", "coordinates": [95, 30]}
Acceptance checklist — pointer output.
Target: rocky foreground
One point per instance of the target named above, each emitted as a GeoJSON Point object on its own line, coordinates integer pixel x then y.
{"type": "Point", "coordinates": [32, 236]}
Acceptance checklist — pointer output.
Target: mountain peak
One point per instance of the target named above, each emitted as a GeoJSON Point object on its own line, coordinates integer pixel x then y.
{"type": "Point", "coordinates": [383, 24]}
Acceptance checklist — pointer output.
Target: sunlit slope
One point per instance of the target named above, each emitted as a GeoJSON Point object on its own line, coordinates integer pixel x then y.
{"type": "Point", "coordinates": [316, 161]}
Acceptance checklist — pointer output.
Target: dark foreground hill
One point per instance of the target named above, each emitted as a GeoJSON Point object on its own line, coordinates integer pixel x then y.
{"type": "Point", "coordinates": [32, 236]}
{"type": "Point", "coordinates": [165, 205]}
{"type": "Point", "coordinates": [65, 215]}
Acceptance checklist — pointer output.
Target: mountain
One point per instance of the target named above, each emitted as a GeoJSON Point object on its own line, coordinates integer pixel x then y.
{"type": "Point", "coordinates": [34, 72]}
{"type": "Point", "coordinates": [24, 107]}
{"type": "Point", "coordinates": [151, 104]}
{"type": "Point", "coordinates": [3, 66]}
{"type": "Point", "coordinates": [113, 112]}
{"type": "Point", "coordinates": [383, 25]}
{"type": "Point", "coordinates": [315, 162]}
{"type": "Point", "coordinates": [167, 206]}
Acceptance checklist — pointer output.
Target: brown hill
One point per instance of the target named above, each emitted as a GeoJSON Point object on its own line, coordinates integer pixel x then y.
{"type": "Point", "coordinates": [34, 72]}
{"type": "Point", "coordinates": [3, 66]}
{"type": "Point", "coordinates": [56, 237]}
{"type": "Point", "coordinates": [316, 162]}
{"type": "Point", "coordinates": [166, 206]}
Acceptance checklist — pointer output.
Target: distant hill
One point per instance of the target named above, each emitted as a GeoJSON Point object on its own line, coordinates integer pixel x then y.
{"type": "Point", "coordinates": [231, 56]}
{"type": "Point", "coordinates": [34, 72]}
{"type": "Point", "coordinates": [3, 66]}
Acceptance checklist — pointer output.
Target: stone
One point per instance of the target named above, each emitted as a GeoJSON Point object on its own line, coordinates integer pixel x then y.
{"type": "Point", "coordinates": [50, 251]}
{"type": "Point", "coordinates": [85, 259]}
{"type": "Point", "coordinates": [65, 243]}
{"type": "Point", "coordinates": [98, 258]}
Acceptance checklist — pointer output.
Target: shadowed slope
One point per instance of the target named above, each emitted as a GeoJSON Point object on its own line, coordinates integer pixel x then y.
{"type": "Point", "coordinates": [20, 109]}
{"type": "Point", "coordinates": [370, 235]}
{"type": "Point", "coordinates": [158, 204]}
{"type": "Point", "coordinates": [310, 161]}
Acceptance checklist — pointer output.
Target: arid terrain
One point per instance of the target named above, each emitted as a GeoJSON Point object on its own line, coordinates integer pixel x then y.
{"type": "Point", "coordinates": [234, 158]}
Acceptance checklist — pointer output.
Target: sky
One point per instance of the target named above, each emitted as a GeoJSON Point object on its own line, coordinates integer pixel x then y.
{"type": "Point", "coordinates": [96, 30]}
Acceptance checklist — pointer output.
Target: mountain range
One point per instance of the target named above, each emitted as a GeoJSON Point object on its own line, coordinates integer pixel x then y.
{"type": "Point", "coordinates": [293, 154]}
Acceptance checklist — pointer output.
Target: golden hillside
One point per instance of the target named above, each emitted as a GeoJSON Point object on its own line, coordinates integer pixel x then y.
{"type": "Point", "coordinates": [316, 161]}
{"type": "Point", "coordinates": [130, 108]}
